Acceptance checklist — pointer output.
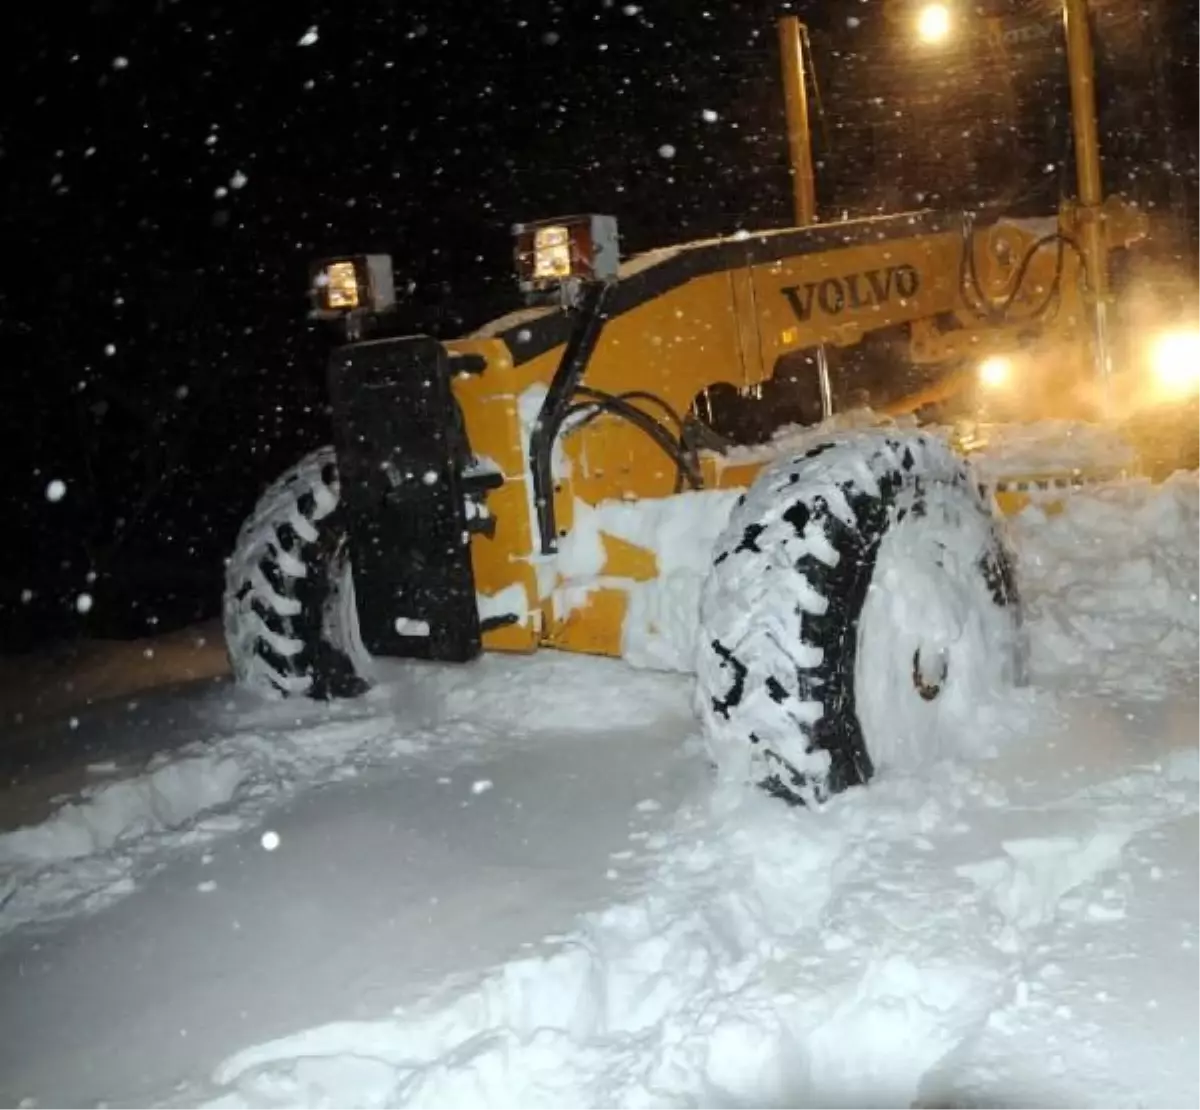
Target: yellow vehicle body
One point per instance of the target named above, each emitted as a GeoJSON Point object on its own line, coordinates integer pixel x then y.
{"type": "Point", "coordinates": [686, 319]}
{"type": "Point", "coordinates": [514, 488]}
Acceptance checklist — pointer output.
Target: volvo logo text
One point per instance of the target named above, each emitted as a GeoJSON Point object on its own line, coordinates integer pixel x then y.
{"type": "Point", "coordinates": [833, 295]}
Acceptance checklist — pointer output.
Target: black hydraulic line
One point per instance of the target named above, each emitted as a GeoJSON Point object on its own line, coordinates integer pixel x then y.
{"type": "Point", "coordinates": [636, 395]}
{"type": "Point", "coordinates": [969, 284]}
{"type": "Point", "coordinates": [998, 313]}
{"type": "Point", "coordinates": [686, 465]}
{"type": "Point", "coordinates": [590, 318]}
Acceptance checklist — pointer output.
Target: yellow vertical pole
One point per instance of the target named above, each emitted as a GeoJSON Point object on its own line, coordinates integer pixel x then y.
{"type": "Point", "coordinates": [1082, 66]}
{"type": "Point", "coordinates": [795, 93]}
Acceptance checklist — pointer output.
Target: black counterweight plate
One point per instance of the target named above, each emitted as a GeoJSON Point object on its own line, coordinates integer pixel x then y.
{"type": "Point", "coordinates": [401, 450]}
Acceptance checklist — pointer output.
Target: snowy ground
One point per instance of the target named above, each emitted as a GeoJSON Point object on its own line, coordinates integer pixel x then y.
{"type": "Point", "coordinates": [513, 884]}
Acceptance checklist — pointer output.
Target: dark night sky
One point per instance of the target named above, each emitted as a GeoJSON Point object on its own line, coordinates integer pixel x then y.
{"type": "Point", "coordinates": [168, 169]}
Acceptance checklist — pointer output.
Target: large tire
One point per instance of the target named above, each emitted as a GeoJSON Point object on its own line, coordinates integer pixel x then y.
{"type": "Point", "coordinates": [860, 609]}
{"type": "Point", "coordinates": [290, 622]}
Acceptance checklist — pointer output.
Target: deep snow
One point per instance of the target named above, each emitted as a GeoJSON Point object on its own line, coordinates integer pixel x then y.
{"type": "Point", "coordinates": [515, 884]}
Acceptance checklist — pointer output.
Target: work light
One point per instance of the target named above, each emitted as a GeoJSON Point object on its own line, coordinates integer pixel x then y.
{"type": "Point", "coordinates": [360, 283]}
{"type": "Point", "coordinates": [560, 254]}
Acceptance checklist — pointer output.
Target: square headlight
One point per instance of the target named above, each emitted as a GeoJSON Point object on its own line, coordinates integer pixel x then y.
{"type": "Point", "coordinates": [342, 285]}
{"type": "Point", "coordinates": [549, 253]}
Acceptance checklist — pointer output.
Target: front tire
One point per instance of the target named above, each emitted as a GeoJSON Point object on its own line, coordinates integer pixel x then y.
{"type": "Point", "coordinates": [860, 608]}
{"type": "Point", "coordinates": [291, 627]}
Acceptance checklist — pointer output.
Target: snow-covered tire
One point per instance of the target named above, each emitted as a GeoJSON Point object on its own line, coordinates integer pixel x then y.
{"type": "Point", "coordinates": [860, 611]}
{"type": "Point", "coordinates": [291, 627]}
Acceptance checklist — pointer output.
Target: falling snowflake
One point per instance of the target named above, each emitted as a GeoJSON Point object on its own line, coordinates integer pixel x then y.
{"type": "Point", "coordinates": [666, 151]}
{"type": "Point", "coordinates": [83, 603]}
{"type": "Point", "coordinates": [56, 490]}
{"type": "Point", "coordinates": [310, 36]}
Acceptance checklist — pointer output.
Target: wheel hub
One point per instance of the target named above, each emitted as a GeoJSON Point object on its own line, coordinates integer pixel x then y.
{"type": "Point", "coordinates": [929, 679]}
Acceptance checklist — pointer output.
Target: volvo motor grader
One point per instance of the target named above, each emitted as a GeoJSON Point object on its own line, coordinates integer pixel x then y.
{"type": "Point", "coordinates": [585, 473]}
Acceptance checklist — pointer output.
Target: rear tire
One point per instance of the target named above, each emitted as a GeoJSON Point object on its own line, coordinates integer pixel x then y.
{"type": "Point", "coordinates": [290, 622]}
{"type": "Point", "coordinates": [861, 606]}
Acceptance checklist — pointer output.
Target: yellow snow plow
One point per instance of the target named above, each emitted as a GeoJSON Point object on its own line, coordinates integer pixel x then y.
{"type": "Point", "coordinates": [679, 458]}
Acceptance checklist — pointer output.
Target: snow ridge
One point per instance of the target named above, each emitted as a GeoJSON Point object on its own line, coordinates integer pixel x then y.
{"type": "Point", "coordinates": [101, 846]}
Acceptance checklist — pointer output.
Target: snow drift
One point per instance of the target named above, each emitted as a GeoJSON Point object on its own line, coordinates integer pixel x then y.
{"type": "Point", "coordinates": [1110, 585]}
{"type": "Point", "coordinates": [1013, 930]}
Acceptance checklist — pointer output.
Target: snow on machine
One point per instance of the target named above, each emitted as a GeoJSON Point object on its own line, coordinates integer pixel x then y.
{"type": "Point", "coordinates": [599, 471]}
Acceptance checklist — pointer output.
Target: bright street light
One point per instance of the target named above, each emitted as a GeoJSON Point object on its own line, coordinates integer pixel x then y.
{"type": "Point", "coordinates": [933, 23]}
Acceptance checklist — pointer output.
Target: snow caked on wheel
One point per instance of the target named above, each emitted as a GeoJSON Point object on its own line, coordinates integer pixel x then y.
{"type": "Point", "coordinates": [290, 621]}
{"type": "Point", "coordinates": [860, 609]}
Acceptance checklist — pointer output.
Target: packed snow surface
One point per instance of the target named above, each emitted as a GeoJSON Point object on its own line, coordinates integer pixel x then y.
{"type": "Point", "coordinates": [516, 884]}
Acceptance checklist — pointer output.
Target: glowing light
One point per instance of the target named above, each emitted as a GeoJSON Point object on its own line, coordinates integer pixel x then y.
{"type": "Point", "coordinates": [341, 285]}
{"type": "Point", "coordinates": [933, 23]}
{"type": "Point", "coordinates": [1175, 360]}
{"type": "Point", "coordinates": [995, 372]}
{"type": "Point", "coordinates": [552, 252]}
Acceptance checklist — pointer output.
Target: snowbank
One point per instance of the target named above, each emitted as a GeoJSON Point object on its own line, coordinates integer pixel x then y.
{"type": "Point", "coordinates": [1110, 585]}
{"type": "Point", "coordinates": [997, 451]}
{"type": "Point", "coordinates": [164, 798]}
{"type": "Point", "coordinates": [1000, 451]}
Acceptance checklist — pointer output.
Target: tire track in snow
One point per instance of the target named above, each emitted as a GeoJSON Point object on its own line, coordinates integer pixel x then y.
{"type": "Point", "coordinates": [775, 957]}
{"type": "Point", "coordinates": [744, 974]}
